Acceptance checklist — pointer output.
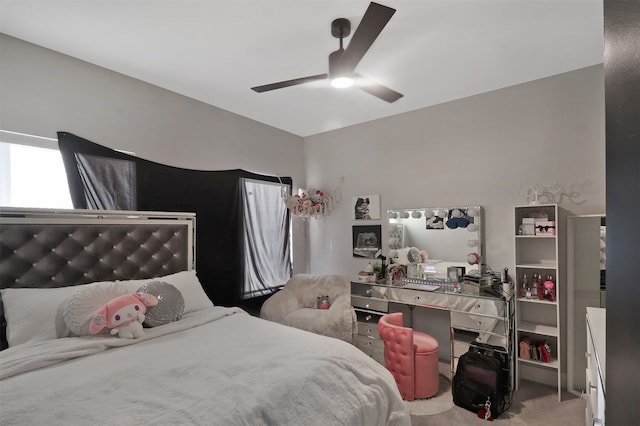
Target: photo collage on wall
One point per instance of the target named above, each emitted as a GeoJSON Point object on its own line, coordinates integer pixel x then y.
{"type": "Point", "coordinates": [367, 239]}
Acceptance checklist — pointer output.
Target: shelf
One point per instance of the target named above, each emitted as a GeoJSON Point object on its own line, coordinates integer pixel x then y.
{"type": "Point", "coordinates": [540, 319]}
{"type": "Point", "coordinates": [532, 327]}
{"type": "Point", "coordinates": [525, 300]}
{"type": "Point", "coordinates": [553, 364]}
{"type": "Point", "coordinates": [541, 265]}
{"type": "Point", "coordinates": [535, 206]}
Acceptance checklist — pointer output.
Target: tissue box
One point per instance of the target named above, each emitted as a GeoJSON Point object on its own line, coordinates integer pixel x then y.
{"type": "Point", "coordinates": [547, 227]}
{"type": "Point", "coordinates": [528, 226]}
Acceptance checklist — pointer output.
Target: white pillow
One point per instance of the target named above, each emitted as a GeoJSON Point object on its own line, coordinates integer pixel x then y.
{"type": "Point", "coordinates": [402, 256]}
{"type": "Point", "coordinates": [79, 308]}
{"type": "Point", "coordinates": [33, 313]}
{"type": "Point", "coordinates": [186, 281]}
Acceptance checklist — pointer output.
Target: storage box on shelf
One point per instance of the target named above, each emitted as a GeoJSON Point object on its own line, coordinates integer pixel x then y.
{"type": "Point", "coordinates": [539, 289]}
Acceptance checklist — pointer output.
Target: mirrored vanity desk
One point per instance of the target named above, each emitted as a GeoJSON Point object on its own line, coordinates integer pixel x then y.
{"type": "Point", "coordinates": [452, 240]}
{"type": "Point", "coordinates": [482, 317]}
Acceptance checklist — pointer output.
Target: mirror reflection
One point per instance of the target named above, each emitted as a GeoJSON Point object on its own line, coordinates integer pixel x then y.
{"type": "Point", "coordinates": [444, 237]}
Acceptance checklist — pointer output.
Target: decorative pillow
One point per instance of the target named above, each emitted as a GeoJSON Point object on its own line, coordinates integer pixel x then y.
{"type": "Point", "coordinates": [79, 309]}
{"type": "Point", "coordinates": [33, 314]}
{"type": "Point", "coordinates": [402, 258]}
{"type": "Point", "coordinates": [413, 255]}
{"type": "Point", "coordinates": [170, 305]}
{"type": "Point", "coordinates": [186, 282]}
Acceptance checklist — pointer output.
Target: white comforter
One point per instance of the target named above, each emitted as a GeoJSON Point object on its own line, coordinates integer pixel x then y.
{"type": "Point", "coordinates": [216, 366]}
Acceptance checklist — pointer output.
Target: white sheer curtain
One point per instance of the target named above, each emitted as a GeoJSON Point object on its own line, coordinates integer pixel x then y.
{"type": "Point", "coordinates": [266, 237]}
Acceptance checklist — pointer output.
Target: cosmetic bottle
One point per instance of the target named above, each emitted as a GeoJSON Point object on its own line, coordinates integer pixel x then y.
{"type": "Point", "coordinates": [538, 288]}
{"type": "Point", "coordinates": [524, 285]}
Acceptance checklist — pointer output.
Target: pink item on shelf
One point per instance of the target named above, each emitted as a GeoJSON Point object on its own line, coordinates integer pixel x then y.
{"type": "Point", "coordinates": [550, 290]}
{"type": "Point", "coordinates": [525, 348]}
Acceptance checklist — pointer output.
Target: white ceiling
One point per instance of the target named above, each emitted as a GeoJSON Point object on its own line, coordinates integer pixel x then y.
{"type": "Point", "coordinates": [215, 50]}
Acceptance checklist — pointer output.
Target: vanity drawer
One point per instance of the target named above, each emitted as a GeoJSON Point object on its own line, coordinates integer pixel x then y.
{"type": "Point", "coordinates": [418, 297]}
{"type": "Point", "coordinates": [370, 317]}
{"type": "Point", "coordinates": [477, 305]}
{"type": "Point", "coordinates": [368, 323]}
{"type": "Point", "coordinates": [372, 347]}
{"type": "Point", "coordinates": [380, 305]}
{"type": "Point", "coordinates": [368, 329]}
{"type": "Point", "coordinates": [367, 290]}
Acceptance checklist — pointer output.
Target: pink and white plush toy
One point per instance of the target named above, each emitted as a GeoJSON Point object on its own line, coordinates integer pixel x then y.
{"type": "Point", "coordinates": [123, 315]}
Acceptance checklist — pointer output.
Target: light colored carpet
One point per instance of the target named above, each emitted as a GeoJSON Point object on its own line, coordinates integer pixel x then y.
{"type": "Point", "coordinates": [533, 404]}
{"type": "Point", "coordinates": [440, 403]}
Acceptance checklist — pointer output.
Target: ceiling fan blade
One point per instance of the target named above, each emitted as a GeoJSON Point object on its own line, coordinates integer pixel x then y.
{"type": "Point", "coordinates": [376, 89]}
{"type": "Point", "coordinates": [287, 83]}
{"type": "Point", "coordinates": [373, 21]}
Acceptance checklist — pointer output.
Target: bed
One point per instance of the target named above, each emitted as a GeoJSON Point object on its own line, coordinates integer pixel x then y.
{"type": "Point", "coordinates": [208, 365]}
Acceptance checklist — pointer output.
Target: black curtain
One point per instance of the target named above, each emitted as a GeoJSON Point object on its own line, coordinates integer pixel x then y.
{"type": "Point", "coordinates": [214, 196]}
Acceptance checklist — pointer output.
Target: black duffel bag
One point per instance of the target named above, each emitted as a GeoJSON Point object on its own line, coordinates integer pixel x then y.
{"type": "Point", "coordinates": [481, 383]}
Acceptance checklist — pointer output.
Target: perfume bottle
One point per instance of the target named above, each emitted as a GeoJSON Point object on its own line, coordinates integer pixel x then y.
{"type": "Point", "coordinates": [539, 287]}
{"type": "Point", "coordinates": [524, 285]}
{"type": "Point", "coordinates": [550, 289]}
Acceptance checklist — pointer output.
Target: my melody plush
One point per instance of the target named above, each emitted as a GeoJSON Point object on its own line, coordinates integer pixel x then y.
{"type": "Point", "coordinates": [123, 315]}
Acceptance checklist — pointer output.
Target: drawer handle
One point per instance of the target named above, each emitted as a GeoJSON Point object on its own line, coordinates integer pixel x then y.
{"type": "Point", "coordinates": [369, 331]}
{"type": "Point", "coordinates": [368, 344]}
{"type": "Point", "coordinates": [368, 317]}
{"type": "Point", "coordinates": [368, 291]}
{"type": "Point", "coordinates": [416, 297]}
{"type": "Point", "coordinates": [367, 305]}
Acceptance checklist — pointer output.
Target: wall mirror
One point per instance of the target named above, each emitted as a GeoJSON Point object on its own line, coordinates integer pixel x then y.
{"type": "Point", "coordinates": [450, 235]}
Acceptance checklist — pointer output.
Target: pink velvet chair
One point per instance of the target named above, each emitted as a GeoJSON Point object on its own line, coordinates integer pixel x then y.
{"type": "Point", "coordinates": [410, 356]}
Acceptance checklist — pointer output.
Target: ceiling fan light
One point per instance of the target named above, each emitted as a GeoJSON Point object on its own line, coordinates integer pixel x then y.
{"type": "Point", "coordinates": [342, 82]}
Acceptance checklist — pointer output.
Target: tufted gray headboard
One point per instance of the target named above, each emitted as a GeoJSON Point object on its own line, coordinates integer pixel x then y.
{"type": "Point", "coordinates": [56, 248]}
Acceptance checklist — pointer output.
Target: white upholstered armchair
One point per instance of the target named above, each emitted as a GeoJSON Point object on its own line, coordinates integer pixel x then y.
{"type": "Point", "coordinates": [296, 306]}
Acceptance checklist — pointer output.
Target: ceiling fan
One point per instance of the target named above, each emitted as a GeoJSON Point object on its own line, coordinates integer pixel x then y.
{"type": "Point", "coordinates": [342, 62]}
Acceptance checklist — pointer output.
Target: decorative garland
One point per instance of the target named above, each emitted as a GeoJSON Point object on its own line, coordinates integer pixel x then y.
{"type": "Point", "coordinates": [309, 203]}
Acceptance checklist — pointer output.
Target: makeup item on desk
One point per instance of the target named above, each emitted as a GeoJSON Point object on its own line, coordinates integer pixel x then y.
{"type": "Point", "coordinates": [506, 282]}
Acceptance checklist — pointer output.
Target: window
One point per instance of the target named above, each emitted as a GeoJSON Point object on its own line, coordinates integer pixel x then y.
{"type": "Point", "coordinates": [266, 237]}
{"type": "Point", "coordinates": [31, 172]}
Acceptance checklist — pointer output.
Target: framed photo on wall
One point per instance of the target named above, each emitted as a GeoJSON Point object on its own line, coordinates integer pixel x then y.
{"type": "Point", "coordinates": [366, 207]}
{"type": "Point", "coordinates": [367, 240]}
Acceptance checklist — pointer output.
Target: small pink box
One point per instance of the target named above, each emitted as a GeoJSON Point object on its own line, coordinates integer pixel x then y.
{"type": "Point", "coordinates": [546, 228]}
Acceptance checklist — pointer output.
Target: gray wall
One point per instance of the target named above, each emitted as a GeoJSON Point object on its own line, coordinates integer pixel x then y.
{"type": "Point", "coordinates": [43, 92]}
{"type": "Point", "coordinates": [481, 150]}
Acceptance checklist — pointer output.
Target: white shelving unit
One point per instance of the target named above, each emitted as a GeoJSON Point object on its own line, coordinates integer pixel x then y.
{"type": "Point", "coordinates": [540, 320]}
